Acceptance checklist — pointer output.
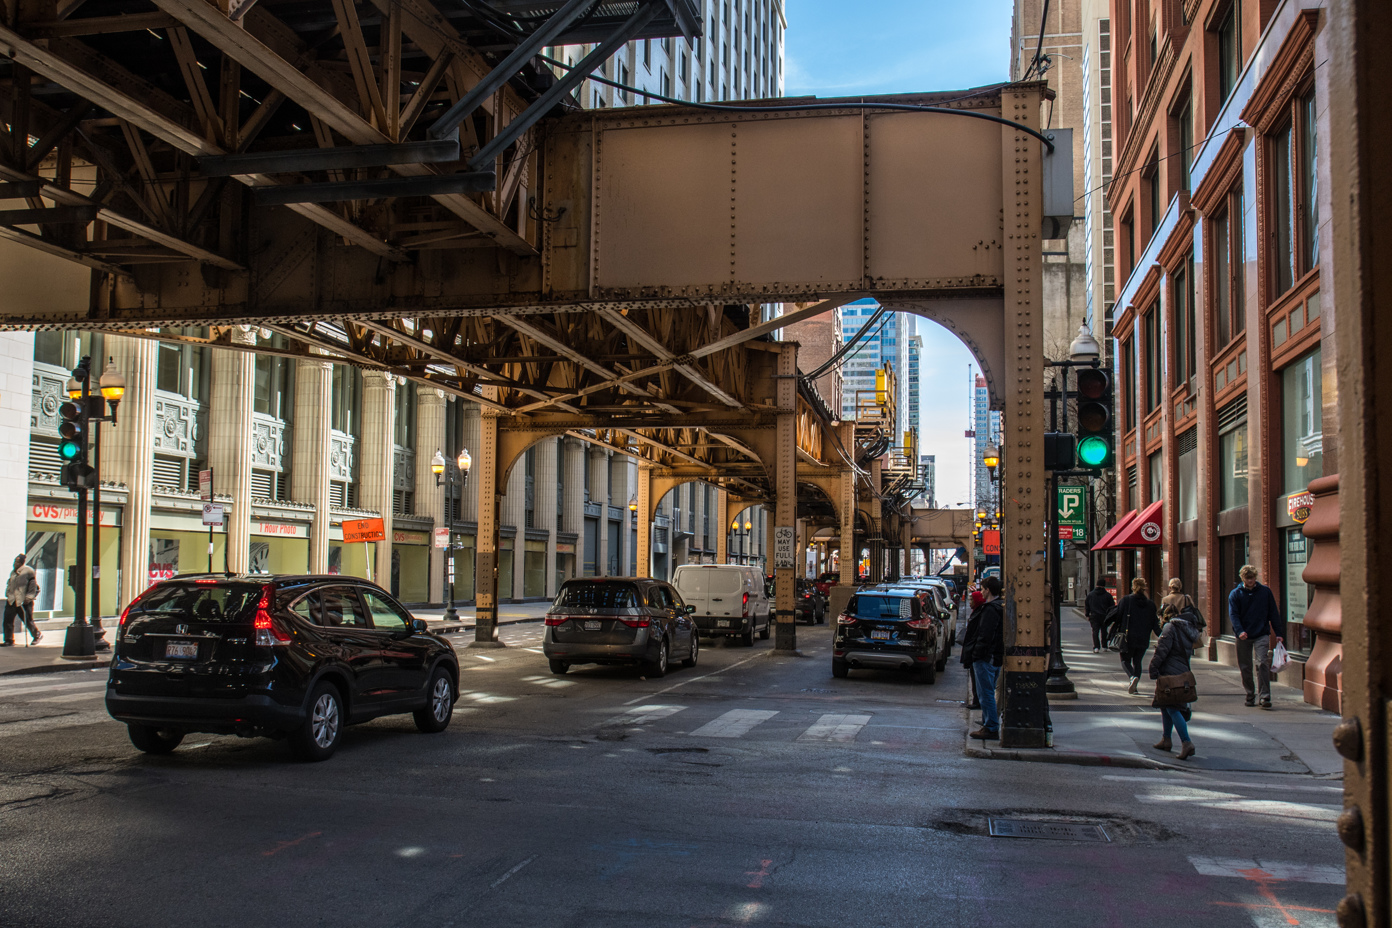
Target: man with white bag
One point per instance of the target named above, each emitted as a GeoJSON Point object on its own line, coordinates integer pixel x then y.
{"type": "Point", "coordinates": [1255, 621]}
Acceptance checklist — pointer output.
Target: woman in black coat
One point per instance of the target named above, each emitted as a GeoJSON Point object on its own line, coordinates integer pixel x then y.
{"type": "Point", "coordinates": [1171, 659]}
{"type": "Point", "coordinates": [1137, 617]}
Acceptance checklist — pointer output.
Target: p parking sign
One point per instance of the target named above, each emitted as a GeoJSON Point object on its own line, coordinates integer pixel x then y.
{"type": "Point", "coordinates": [1072, 512]}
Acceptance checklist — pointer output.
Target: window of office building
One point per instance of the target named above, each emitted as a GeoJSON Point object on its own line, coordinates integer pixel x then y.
{"type": "Point", "coordinates": [1184, 139]}
{"type": "Point", "coordinates": [1229, 259]}
{"type": "Point", "coordinates": [1302, 422]}
{"type": "Point", "coordinates": [1294, 188]}
{"type": "Point", "coordinates": [1185, 322]}
{"type": "Point", "coordinates": [1232, 455]}
{"type": "Point", "coordinates": [1153, 381]}
{"type": "Point", "coordinates": [1155, 464]}
{"type": "Point", "coordinates": [1228, 38]}
{"type": "Point", "coordinates": [1188, 473]}
{"type": "Point", "coordinates": [1154, 187]}
{"type": "Point", "coordinates": [1128, 385]}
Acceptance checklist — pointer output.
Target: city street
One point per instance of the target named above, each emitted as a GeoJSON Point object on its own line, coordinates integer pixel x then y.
{"type": "Point", "coordinates": [750, 790]}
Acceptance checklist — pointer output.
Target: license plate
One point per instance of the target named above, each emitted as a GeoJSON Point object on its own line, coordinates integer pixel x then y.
{"type": "Point", "coordinates": [593, 625]}
{"type": "Point", "coordinates": [879, 635]}
{"type": "Point", "coordinates": [722, 623]}
{"type": "Point", "coordinates": [181, 649]}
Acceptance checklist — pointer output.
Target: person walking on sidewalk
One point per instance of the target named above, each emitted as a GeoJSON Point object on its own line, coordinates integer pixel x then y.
{"type": "Point", "coordinates": [1176, 601]}
{"type": "Point", "coordinates": [1172, 659]}
{"type": "Point", "coordinates": [978, 599]}
{"type": "Point", "coordinates": [1137, 619]}
{"type": "Point", "coordinates": [20, 594]}
{"type": "Point", "coordinates": [987, 654]}
{"type": "Point", "coordinates": [1097, 605]}
{"type": "Point", "coordinates": [1255, 620]}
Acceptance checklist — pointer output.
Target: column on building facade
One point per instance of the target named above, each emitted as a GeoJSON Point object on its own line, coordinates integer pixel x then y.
{"type": "Point", "coordinates": [599, 495]}
{"type": "Point", "coordinates": [1263, 444]}
{"type": "Point", "coordinates": [17, 361]}
{"type": "Point", "coordinates": [625, 490]}
{"type": "Point", "coordinates": [430, 500]}
{"type": "Point", "coordinates": [309, 470]}
{"type": "Point", "coordinates": [375, 461]}
{"type": "Point", "coordinates": [512, 511]}
{"type": "Point", "coordinates": [229, 441]}
{"type": "Point", "coordinates": [548, 515]}
{"type": "Point", "coordinates": [127, 458]}
{"type": "Point", "coordinates": [646, 508]}
{"type": "Point", "coordinates": [486, 562]}
{"type": "Point", "coordinates": [573, 501]}
{"type": "Point", "coordinates": [722, 526]}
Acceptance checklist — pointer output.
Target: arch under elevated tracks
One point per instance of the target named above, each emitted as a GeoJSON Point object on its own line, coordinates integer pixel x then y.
{"type": "Point", "coordinates": [592, 273]}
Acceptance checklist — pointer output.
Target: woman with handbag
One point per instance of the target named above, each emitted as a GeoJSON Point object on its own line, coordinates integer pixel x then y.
{"type": "Point", "coordinates": [1175, 686]}
{"type": "Point", "coordinates": [1134, 622]}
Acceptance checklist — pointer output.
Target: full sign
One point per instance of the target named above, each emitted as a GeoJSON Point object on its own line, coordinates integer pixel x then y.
{"type": "Point", "coordinates": [212, 513]}
{"type": "Point", "coordinates": [1072, 512]}
{"type": "Point", "coordinates": [355, 530]}
{"type": "Point", "coordinates": [784, 541]}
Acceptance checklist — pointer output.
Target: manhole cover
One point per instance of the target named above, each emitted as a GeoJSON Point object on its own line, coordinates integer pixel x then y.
{"type": "Point", "coordinates": [1059, 831]}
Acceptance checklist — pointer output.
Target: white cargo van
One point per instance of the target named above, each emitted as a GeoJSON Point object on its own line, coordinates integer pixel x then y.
{"type": "Point", "coordinates": [730, 600]}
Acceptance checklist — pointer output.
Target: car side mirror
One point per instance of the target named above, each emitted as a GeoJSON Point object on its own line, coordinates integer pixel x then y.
{"type": "Point", "coordinates": [690, 609]}
{"type": "Point", "coordinates": [413, 627]}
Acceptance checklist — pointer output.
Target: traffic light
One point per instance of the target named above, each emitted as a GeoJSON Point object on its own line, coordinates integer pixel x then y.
{"type": "Point", "coordinates": [74, 431]}
{"type": "Point", "coordinates": [1060, 451]}
{"type": "Point", "coordinates": [1095, 440]}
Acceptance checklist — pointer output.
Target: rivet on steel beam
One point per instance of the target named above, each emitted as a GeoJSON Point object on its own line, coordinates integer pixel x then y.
{"type": "Point", "coordinates": [1351, 913]}
{"type": "Point", "coordinates": [1348, 739]}
{"type": "Point", "coordinates": [1350, 827]}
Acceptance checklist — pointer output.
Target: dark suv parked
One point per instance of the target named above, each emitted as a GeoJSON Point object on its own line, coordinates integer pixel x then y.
{"type": "Point", "coordinates": [299, 657]}
{"type": "Point", "coordinates": [887, 629]}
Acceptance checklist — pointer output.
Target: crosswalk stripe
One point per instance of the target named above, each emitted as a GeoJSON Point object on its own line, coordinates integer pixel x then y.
{"type": "Point", "coordinates": [52, 687]}
{"type": "Point", "coordinates": [835, 728]}
{"type": "Point", "coordinates": [640, 715]}
{"type": "Point", "coordinates": [75, 697]}
{"type": "Point", "coordinates": [1272, 869]}
{"type": "Point", "coordinates": [1227, 802]}
{"type": "Point", "coordinates": [734, 724]}
{"type": "Point", "coordinates": [30, 679]}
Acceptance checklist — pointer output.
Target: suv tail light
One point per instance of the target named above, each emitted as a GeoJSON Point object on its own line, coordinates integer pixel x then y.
{"type": "Point", "coordinates": [925, 622]}
{"type": "Point", "coordinates": [269, 632]}
{"type": "Point", "coordinates": [125, 617]}
{"type": "Point", "coordinates": [642, 622]}
{"type": "Point", "coordinates": [557, 619]}
{"type": "Point", "coordinates": [845, 619]}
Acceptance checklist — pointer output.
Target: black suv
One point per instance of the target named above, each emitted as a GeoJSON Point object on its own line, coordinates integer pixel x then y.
{"type": "Point", "coordinates": [889, 629]}
{"type": "Point", "coordinates": [298, 657]}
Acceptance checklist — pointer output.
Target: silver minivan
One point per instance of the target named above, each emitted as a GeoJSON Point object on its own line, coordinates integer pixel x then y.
{"type": "Point", "coordinates": [730, 600]}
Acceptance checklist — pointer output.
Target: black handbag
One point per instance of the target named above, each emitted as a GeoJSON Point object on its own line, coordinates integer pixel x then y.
{"type": "Point", "coordinates": [1175, 691]}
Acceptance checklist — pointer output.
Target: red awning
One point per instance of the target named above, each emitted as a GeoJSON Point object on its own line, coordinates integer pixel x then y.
{"type": "Point", "coordinates": [1105, 542]}
{"type": "Point", "coordinates": [1145, 530]}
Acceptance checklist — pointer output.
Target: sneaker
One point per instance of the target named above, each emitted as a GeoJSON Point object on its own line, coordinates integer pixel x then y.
{"type": "Point", "coordinates": [1096, 650]}
{"type": "Point", "coordinates": [1135, 685]}
{"type": "Point", "coordinates": [1186, 750]}
{"type": "Point", "coordinates": [985, 734]}
{"type": "Point", "coordinates": [1266, 704]}
{"type": "Point", "coordinates": [6, 644]}
{"type": "Point", "coordinates": [38, 636]}
{"type": "Point", "coordinates": [1250, 701]}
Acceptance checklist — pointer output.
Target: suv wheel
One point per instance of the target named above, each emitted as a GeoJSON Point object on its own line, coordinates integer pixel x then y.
{"type": "Point", "coordinates": [927, 673]}
{"type": "Point", "coordinates": [154, 740]}
{"type": "Point", "coordinates": [317, 738]}
{"type": "Point", "coordinates": [435, 715]}
{"type": "Point", "coordinates": [559, 667]}
{"type": "Point", "coordinates": [658, 669]}
{"type": "Point", "coordinates": [942, 660]}
{"type": "Point", "coordinates": [839, 668]}
{"type": "Point", "coordinates": [695, 650]}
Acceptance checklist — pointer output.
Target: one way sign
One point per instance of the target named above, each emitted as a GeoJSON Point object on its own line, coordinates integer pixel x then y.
{"type": "Point", "coordinates": [1072, 513]}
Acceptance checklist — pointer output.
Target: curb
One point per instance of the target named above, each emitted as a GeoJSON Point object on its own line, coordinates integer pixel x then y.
{"type": "Point", "coordinates": [1053, 756]}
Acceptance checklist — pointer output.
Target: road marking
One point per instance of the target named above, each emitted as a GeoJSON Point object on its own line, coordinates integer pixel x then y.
{"type": "Point", "coordinates": [643, 714]}
{"type": "Point", "coordinates": [1269, 869]}
{"type": "Point", "coordinates": [75, 697]}
{"type": "Point", "coordinates": [282, 845]}
{"type": "Point", "coordinates": [491, 660]}
{"type": "Point", "coordinates": [759, 875]}
{"type": "Point", "coordinates": [734, 724]}
{"type": "Point", "coordinates": [1228, 802]}
{"type": "Point", "coordinates": [1246, 784]}
{"type": "Point", "coordinates": [694, 679]}
{"type": "Point", "coordinates": [506, 876]}
{"type": "Point", "coordinates": [835, 728]}
{"type": "Point", "coordinates": [52, 687]}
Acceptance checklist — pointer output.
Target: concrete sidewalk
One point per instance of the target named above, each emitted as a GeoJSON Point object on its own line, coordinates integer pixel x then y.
{"type": "Point", "coordinates": [46, 657]}
{"type": "Point", "coordinates": [1107, 726]}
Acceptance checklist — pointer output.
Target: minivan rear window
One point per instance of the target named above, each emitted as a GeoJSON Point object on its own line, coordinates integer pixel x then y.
{"type": "Point", "coordinates": [213, 602]}
{"type": "Point", "coordinates": [880, 607]}
{"type": "Point", "coordinates": [598, 595]}
{"type": "Point", "coordinates": [710, 581]}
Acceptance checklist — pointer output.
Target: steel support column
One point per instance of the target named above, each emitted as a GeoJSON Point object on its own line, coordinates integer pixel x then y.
{"type": "Point", "coordinates": [645, 520]}
{"type": "Point", "coordinates": [722, 536]}
{"type": "Point", "coordinates": [1025, 708]}
{"type": "Point", "coordinates": [488, 467]}
{"type": "Point", "coordinates": [785, 504]}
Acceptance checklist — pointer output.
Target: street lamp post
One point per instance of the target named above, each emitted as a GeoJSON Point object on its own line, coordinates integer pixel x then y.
{"type": "Point", "coordinates": [439, 468]}
{"type": "Point", "coordinates": [113, 388]}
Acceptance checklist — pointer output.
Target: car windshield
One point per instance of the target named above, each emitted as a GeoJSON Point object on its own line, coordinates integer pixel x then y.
{"type": "Point", "coordinates": [202, 602]}
{"type": "Point", "coordinates": [598, 595]}
{"type": "Point", "coordinates": [864, 606]}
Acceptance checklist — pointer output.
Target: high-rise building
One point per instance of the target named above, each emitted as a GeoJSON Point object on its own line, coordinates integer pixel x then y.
{"type": "Point", "coordinates": [987, 424]}
{"type": "Point", "coordinates": [928, 474]}
{"type": "Point", "coordinates": [885, 343]}
{"type": "Point", "coordinates": [914, 395]}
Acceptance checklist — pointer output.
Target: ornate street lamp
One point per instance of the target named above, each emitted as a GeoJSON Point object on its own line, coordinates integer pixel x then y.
{"type": "Point", "coordinates": [439, 468]}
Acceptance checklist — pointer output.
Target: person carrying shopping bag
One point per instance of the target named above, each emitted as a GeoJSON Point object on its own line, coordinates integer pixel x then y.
{"type": "Point", "coordinates": [1174, 680]}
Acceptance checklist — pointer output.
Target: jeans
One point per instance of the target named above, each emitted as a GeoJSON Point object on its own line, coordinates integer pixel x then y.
{"type": "Point", "coordinates": [1173, 717]}
{"type": "Point", "coordinates": [986, 673]}
{"type": "Point", "coordinates": [1260, 648]}
{"type": "Point", "coordinates": [25, 614]}
{"type": "Point", "coordinates": [1131, 661]}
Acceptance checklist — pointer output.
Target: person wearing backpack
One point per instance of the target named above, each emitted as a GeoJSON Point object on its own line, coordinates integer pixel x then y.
{"type": "Point", "coordinates": [1171, 660]}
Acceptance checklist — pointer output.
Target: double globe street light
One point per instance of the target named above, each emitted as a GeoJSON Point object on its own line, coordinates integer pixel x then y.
{"type": "Point", "coordinates": [440, 469]}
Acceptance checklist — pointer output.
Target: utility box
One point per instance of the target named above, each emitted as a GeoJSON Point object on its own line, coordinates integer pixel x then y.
{"type": "Point", "coordinates": [1058, 183]}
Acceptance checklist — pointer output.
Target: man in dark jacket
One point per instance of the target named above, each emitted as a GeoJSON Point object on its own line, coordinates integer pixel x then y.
{"type": "Point", "coordinates": [987, 646]}
{"type": "Point", "coordinates": [1098, 603]}
{"type": "Point", "coordinates": [1255, 620]}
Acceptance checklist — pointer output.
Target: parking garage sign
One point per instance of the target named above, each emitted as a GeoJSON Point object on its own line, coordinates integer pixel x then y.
{"type": "Point", "coordinates": [1072, 513]}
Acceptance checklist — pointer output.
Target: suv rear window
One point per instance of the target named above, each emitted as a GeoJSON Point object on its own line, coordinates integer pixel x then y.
{"type": "Point", "coordinates": [880, 607]}
{"type": "Point", "coordinates": [211, 602]}
{"type": "Point", "coordinates": [598, 595]}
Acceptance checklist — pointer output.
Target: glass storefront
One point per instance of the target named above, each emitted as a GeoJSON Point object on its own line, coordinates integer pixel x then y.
{"type": "Point", "coordinates": [465, 554]}
{"type": "Point", "coordinates": [1302, 442]}
{"type": "Point", "coordinates": [1232, 554]}
{"type": "Point", "coordinates": [50, 546]}
{"type": "Point", "coordinates": [174, 552]}
{"type": "Point", "coordinates": [505, 576]}
{"type": "Point", "coordinates": [410, 579]}
{"type": "Point", "coordinates": [350, 560]}
{"type": "Point", "coordinates": [534, 569]}
{"type": "Point", "coordinates": [1295, 554]}
{"type": "Point", "coordinates": [1188, 485]}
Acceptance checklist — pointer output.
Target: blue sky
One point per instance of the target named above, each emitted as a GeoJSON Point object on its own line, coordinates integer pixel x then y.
{"type": "Point", "coordinates": [902, 46]}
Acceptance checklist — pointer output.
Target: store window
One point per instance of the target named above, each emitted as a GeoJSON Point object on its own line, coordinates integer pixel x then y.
{"type": "Point", "coordinates": [1295, 554]}
{"type": "Point", "coordinates": [1232, 459]}
{"type": "Point", "coordinates": [1233, 552]}
{"type": "Point", "coordinates": [1302, 441]}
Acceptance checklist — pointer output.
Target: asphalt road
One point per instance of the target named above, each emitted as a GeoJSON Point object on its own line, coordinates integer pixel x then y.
{"type": "Point", "coordinates": [749, 790]}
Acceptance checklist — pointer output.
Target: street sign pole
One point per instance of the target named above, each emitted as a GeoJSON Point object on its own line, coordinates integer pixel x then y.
{"type": "Point", "coordinates": [205, 489]}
